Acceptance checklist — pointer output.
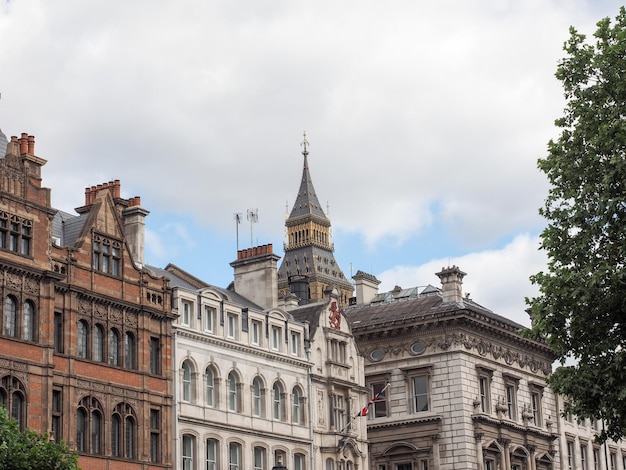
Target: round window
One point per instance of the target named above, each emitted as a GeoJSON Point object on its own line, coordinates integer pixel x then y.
{"type": "Point", "coordinates": [418, 348]}
{"type": "Point", "coordinates": [377, 354]}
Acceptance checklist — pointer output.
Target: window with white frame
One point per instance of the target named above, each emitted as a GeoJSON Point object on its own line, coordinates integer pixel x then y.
{"type": "Point", "coordinates": [299, 462]}
{"type": "Point", "coordinates": [187, 379]}
{"type": "Point", "coordinates": [209, 377]}
{"type": "Point", "coordinates": [212, 449]}
{"type": "Point", "coordinates": [511, 384]}
{"type": "Point", "coordinates": [187, 451]}
{"type": "Point", "coordinates": [255, 333]}
{"type": "Point", "coordinates": [209, 319]}
{"type": "Point", "coordinates": [277, 401]}
{"type": "Point", "coordinates": [536, 394]}
{"type": "Point", "coordinates": [233, 392]}
{"type": "Point", "coordinates": [186, 314]}
{"type": "Point", "coordinates": [420, 392]}
{"type": "Point", "coordinates": [234, 456]}
{"type": "Point", "coordinates": [257, 397]}
{"type": "Point", "coordinates": [339, 410]}
{"type": "Point", "coordinates": [484, 389]}
{"type": "Point", "coordinates": [259, 458]}
{"type": "Point", "coordinates": [276, 334]}
{"type": "Point", "coordinates": [295, 343]}
{"type": "Point", "coordinates": [613, 461]}
{"type": "Point", "coordinates": [570, 455]}
{"type": "Point", "coordinates": [583, 456]}
{"type": "Point", "coordinates": [296, 412]}
{"type": "Point", "coordinates": [231, 326]}
{"type": "Point", "coordinates": [596, 458]}
{"type": "Point", "coordinates": [378, 408]}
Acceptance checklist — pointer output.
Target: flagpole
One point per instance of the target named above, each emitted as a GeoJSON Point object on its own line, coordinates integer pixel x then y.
{"type": "Point", "coordinates": [365, 409]}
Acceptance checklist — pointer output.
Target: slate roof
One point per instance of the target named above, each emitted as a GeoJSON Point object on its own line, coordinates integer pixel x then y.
{"type": "Point", "coordinates": [182, 281]}
{"type": "Point", "coordinates": [310, 313]}
{"type": "Point", "coordinates": [427, 306]}
{"type": "Point", "coordinates": [307, 204]}
{"type": "Point", "coordinates": [66, 228]}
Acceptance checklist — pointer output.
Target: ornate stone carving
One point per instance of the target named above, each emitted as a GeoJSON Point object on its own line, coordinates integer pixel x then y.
{"type": "Point", "coordinates": [13, 281]}
{"type": "Point", "coordinates": [115, 315]}
{"type": "Point", "coordinates": [84, 307]}
{"type": "Point", "coordinates": [100, 311]}
{"type": "Point", "coordinates": [31, 286]}
{"type": "Point", "coordinates": [131, 319]}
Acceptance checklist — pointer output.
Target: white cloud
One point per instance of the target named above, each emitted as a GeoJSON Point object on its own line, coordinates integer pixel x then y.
{"type": "Point", "coordinates": [496, 279]}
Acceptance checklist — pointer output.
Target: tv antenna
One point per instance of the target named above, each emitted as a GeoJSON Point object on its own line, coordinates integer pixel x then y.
{"type": "Point", "coordinates": [253, 217]}
{"type": "Point", "coordinates": [237, 217]}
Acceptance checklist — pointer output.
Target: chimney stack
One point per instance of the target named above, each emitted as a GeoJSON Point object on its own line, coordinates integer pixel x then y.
{"type": "Point", "coordinates": [366, 287]}
{"type": "Point", "coordinates": [134, 217]}
{"type": "Point", "coordinates": [256, 276]}
{"type": "Point", "coordinates": [451, 282]}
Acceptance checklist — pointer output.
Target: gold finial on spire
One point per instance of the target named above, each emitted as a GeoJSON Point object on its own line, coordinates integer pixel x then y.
{"type": "Point", "coordinates": [304, 144]}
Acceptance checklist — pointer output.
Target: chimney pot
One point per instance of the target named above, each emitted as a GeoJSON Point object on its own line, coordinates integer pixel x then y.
{"type": "Point", "coordinates": [31, 144]}
{"type": "Point", "coordinates": [24, 143]}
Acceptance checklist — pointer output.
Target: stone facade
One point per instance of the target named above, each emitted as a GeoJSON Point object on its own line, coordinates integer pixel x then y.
{"type": "Point", "coordinates": [85, 346]}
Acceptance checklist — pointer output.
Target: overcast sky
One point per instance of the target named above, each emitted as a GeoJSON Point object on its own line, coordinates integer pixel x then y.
{"type": "Point", "coordinates": [425, 122]}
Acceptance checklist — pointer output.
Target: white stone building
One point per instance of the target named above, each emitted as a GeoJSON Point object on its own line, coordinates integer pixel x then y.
{"type": "Point", "coordinates": [465, 390]}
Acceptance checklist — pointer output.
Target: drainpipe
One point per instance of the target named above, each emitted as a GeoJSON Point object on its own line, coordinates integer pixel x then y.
{"type": "Point", "coordinates": [307, 348]}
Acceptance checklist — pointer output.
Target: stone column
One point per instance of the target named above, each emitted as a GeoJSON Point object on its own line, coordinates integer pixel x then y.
{"type": "Point", "coordinates": [479, 450]}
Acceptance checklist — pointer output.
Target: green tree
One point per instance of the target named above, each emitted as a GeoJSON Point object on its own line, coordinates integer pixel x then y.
{"type": "Point", "coordinates": [580, 308]}
{"type": "Point", "coordinates": [31, 451]}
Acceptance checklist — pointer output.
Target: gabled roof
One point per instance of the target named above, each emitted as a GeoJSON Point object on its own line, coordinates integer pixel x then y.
{"type": "Point", "coordinates": [182, 279]}
{"type": "Point", "coordinates": [66, 228]}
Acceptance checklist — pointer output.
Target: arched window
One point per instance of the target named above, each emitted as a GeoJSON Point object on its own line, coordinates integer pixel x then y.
{"type": "Point", "coordinates": [13, 397]}
{"type": "Point", "coordinates": [28, 322]}
{"type": "Point", "coordinates": [296, 412]}
{"type": "Point", "coordinates": [298, 462]}
{"type": "Point", "coordinates": [124, 431]}
{"type": "Point", "coordinates": [259, 458]}
{"type": "Point", "coordinates": [129, 351]}
{"type": "Point", "coordinates": [9, 316]}
{"type": "Point", "coordinates": [210, 386]}
{"type": "Point", "coordinates": [257, 397]}
{"type": "Point", "coordinates": [187, 381]}
{"type": "Point", "coordinates": [189, 444]}
{"type": "Point", "coordinates": [98, 343]}
{"type": "Point", "coordinates": [277, 401]}
{"type": "Point", "coordinates": [233, 392]}
{"type": "Point", "coordinates": [330, 465]}
{"type": "Point", "coordinates": [82, 335]}
{"type": "Point", "coordinates": [212, 448]}
{"type": "Point", "coordinates": [234, 456]}
{"type": "Point", "coordinates": [89, 426]}
{"type": "Point", "coordinates": [114, 347]}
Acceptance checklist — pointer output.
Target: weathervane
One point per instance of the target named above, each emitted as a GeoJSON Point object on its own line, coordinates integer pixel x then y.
{"type": "Point", "coordinates": [304, 144]}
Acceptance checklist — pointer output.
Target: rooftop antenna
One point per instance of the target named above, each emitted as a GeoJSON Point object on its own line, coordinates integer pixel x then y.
{"type": "Point", "coordinates": [237, 217]}
{"type": "Point", "coordinates": [253, 217]}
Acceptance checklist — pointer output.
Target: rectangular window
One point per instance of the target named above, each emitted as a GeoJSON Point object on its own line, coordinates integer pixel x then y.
{"type": "Point", "coordinates": [535, 403]}
{"type": "Point", "coordinates": [107, 255]}
{"type": "Point", "coordinates": [231, 326]}
{"type": "Point", "coordinates": [570, 455]}
{"type": "Point", "coordinates": [484, 389]}
{"type": "Point", "coordinates": [613, 461]}
{"type": "Point", "coordinates": [155, 436]}
{"type": "Point", "coordinates": [420, 393]}
{"type": "Point", "coordinates": [18, 232]}
{"type": "Point", "coordinates": [339, 412]}
{"type": "Point", "coordinates": [596, 459]}
{"type": "Point", "coordinates": [298, 462]}
{"type": "Point", "coordinates": [295, 343]}
{"type": "Point", "coordinates": [490, 465]}
{"type": "Point", "coordinates": [234, 456]}
{"type": "Point", "coordinates": [209, 319]}
{"type": "Point", "coordinates": [155, 355]}
{"type": "Point", "coordinates": [57, 415]}
{"type": "Point", "coordinates": [583, 456]}
{"type": "Point", "coordinates": [276, 333]}
{"type": "Point", "coordinates": [511, 396]}
{"type": "Point", "coordinates": [256, 332]}
{"type": "Point", "coordinates": [378, 409]}
{"type": "Point", "coordinates": [58, 332]}
{"type": "Point", "coordinates": [186, 317]}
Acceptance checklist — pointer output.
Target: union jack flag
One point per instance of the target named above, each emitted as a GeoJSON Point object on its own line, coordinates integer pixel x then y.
{"type": "Point", "coordinates": [366, 408]}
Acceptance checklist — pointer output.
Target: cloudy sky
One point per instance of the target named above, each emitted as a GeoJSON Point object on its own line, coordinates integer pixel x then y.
{"type": "Point", "coordinates": [425, 122]}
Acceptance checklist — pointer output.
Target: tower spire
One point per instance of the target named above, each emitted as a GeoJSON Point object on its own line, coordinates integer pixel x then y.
{"type": "Point", "coordinates": [304, 144]}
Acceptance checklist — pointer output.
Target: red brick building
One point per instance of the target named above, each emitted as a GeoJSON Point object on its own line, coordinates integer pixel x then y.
{"type": "Point", "coordinates": [85, 338]}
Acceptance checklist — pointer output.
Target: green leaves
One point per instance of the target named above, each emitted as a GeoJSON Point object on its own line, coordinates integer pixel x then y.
{"type": "Point", "coordinates": [31, 451]}
{"type": "Point", "coordinates": [581, 309]}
